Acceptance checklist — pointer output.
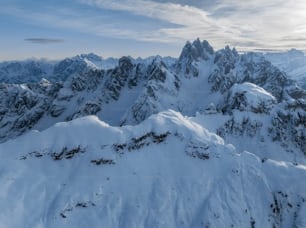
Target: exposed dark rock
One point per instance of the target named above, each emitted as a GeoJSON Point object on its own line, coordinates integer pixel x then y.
{"type": "Point", "coordinates": [137, 143]}
{"type": "Point", "coordinates": [103, 161]}
{"type": "Point", "coordinates": [67, 153]}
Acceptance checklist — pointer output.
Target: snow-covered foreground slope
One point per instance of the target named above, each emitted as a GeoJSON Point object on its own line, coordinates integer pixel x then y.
{"type": "Point", "coordinates": [168, 171]}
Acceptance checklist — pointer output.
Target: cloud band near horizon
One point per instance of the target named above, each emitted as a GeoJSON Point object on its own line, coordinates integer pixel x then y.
{"type": "Point", "coordinates": [44, 40]}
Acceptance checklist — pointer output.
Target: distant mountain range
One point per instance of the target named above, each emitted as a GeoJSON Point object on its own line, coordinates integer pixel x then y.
{"type": "Point", "coordinates": [213, 138]}
{"type": "Point", "coordinates": [293, 62]}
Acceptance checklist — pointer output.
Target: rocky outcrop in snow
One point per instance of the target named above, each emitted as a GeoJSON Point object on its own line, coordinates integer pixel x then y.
{"type": "Point", "coordinates": [248, 97]}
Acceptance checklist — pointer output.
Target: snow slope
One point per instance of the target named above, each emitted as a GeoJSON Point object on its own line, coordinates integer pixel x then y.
{"type": "Point", "coordinates": [165, 172]}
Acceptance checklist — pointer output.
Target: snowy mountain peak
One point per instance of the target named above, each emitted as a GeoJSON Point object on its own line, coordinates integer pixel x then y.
{"type": "Point", "coordinates": [90, 56]}
{"type": "Point", "coordinates": [125, 63]}
{"type": "Point", "coordinates": [191, 54]}
{"type": "Point", "coordinates": [196, 50]}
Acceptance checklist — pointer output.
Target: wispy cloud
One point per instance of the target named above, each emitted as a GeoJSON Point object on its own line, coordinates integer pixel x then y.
{"type": "Point", "coordinates": [43, 40]}
{"type": "Point", "coordinates": [246, 24]}
{"type": "Point", "coordinates": [252, 24]}
{"type": "Point", "coordinates": [189, 20]}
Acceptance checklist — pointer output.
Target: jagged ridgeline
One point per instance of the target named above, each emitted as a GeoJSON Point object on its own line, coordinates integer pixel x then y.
{"type": "Point", "coordinates": [37, 94]}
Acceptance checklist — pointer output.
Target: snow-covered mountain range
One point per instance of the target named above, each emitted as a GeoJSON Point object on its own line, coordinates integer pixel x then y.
{"type": "Point", "coordinates": [293, 62]}
{"type": "Point", "coordinates": [210, 139]}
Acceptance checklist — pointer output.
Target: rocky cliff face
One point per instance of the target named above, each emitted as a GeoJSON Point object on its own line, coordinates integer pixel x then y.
{"type": "Point", "coordinates": [23, 105]}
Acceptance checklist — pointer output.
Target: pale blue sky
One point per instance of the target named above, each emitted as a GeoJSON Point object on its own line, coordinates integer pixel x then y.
{"type": "Point", "coordinates": [62, 28]}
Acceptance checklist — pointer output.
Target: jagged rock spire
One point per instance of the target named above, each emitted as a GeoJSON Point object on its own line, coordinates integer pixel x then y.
{"type": "Point", "coordinates": [197, 50]}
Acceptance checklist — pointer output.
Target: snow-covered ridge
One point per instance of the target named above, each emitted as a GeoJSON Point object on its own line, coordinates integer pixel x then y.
{"type": "Point", "coordinates": [92, 132]}
{"type": "Point", "coordinates": [167, 171]}
{"type": "Point", "coordinates": [33, 70]}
